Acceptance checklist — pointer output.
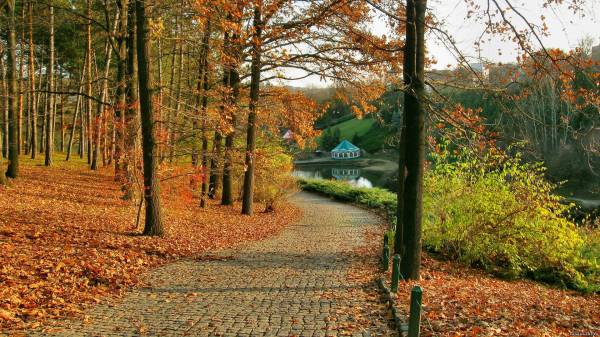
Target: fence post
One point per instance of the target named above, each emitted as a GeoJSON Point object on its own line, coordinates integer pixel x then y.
{"type": "Point", "coordinates": [385, 261]}
{"type": "Point", "coordinates": [395, 272]}
{"type": "Point", "coordinates": [414, 320]}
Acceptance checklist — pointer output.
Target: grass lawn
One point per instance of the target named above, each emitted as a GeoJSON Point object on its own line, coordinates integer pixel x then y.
{"type": "Point", "coordinates": [351, 127]}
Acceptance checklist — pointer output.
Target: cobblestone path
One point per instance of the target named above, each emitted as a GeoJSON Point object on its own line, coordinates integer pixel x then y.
{"type": "Point", "coordinates": [294, 284]}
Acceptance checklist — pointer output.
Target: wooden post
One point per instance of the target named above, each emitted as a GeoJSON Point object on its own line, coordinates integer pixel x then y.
{"type": "Point", "coordinates": [385, 261]}
{"type": "Point", "coordinates": [395, 273]}
{"type": "Point", "coordinates": [414, 321]}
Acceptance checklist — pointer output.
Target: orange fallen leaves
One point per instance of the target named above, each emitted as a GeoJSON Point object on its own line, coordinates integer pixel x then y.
{"type": "Point", "coordinates": [67, 240]}
{"type": "Point", "coordinates": [461, 301]}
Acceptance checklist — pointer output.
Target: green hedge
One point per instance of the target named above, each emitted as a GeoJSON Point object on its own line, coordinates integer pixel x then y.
{"type": "Point", "coordinates": [379, 199]}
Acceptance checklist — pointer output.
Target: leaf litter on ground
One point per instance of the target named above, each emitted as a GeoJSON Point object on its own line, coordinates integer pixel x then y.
{"type": "Point", "coordinates": [68, 239]}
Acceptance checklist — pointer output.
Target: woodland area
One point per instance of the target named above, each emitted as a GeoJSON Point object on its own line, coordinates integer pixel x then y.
{"type": "Point", "coordinates": [138, 132]}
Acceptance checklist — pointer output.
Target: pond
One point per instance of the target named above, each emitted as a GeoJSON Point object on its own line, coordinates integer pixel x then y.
{"type": "Point", "coordinates": [383, 173]}
{"type": "Point", "coordinates": [361, 173]}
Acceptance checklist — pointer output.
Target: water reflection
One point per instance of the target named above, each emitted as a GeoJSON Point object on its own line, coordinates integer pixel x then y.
{"type": "Point", "coordinates": [351, 175]}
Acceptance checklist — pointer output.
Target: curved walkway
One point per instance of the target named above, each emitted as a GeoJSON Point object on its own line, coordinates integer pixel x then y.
{"type": "Point", "coordinates": [294, 284]}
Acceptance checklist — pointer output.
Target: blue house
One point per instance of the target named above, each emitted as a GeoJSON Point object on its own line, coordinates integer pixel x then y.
{"type": "Point", "coordinates": [345, 150]}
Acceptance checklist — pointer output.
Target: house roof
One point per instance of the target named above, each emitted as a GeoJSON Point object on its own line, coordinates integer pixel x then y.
{"type": "Point", "coordinates": [345, 146]}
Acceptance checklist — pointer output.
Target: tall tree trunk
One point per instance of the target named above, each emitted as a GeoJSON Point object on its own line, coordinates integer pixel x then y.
{"type": "Point", "coordinates": [88, 90]}
{"type": "Point", "coordinates": [78, 112]}
{"type": "Point", "coordinates": [399, 233]}
{"type": "Point", "coordinates": [120, 111]}
{"type": "Point", "coordinates": [2, 141]}
{"type": "Point", "coordinates": [2, 171]}
{"type": "Point", "coordinates": [27, 121]}
{"type": "Point", "coordinates": [62, 116]}
{"type": "Point", "coordinates": [4, 108]}
{"type": "Point", "coordinates": [31, 77]}
{"type": "Point", "coordinates": [227, 193]}
{"type": "Point", "coordinates": [13, 137]}
{"type": "Point", "coordinates": [21, 79]}
{"type": "Point", "coordinates": [226, 109]}
{"type": "Point", "coordinates": [83, 112]}
{"type": "Point", "coordinates": [414, 126]}
{"type": "Point", "coordinates": [32, 93]}
{"type": "Point", "coordinates": [175, 133]}
{"type": "Point", "coordinates": [153, 224]}
{"type": "Point", "coordinates": [203, 103]}
{"type": "Point", "coordinates": [4, 120]}
{"type": "Point", "coordinates": [214, 181]}
{"type": "Point", "coordinates": [50, 101]}
{"type": "Point", "coordinates": [159, 102]}
{"type": "Point", "coordinates": [103, 97]}
{"type": "Point", "coordinates": [173, 102]}
{"type": "Point", "coordinates": [131, 119]}
{"type": "Point", "coordinates": [255, 69]}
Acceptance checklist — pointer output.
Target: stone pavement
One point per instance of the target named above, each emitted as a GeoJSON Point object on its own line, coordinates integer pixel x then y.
{"type": "Point", "coordinates": [294, 284]}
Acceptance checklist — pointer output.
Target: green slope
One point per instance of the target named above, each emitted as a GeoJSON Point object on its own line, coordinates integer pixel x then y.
{"type": "Point", "coordinates": [351, 127]}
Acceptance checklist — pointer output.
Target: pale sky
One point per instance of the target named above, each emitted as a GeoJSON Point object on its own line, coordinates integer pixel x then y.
{"type": "Point", "coordinates": [566, 30]}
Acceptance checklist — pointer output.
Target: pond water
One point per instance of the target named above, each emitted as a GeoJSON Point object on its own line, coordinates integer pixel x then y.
{"type": "Point", "coordinates": [382, 173]}
{"type": "Point", "coordinates": [358, 175]}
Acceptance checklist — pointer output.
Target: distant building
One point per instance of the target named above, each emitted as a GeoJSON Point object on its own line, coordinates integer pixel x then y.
{"type": "Point", "coordinates": [481, 69]}
{"type": "Point", "coordinates": [345, 150]}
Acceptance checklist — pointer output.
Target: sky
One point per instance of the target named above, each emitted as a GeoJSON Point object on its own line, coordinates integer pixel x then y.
{"type": "Point", "coordinates": [566, 30]}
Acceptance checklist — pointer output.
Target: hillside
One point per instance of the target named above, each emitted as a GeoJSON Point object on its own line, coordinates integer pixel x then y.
{"type": "Point", "coordinates": [365, 133]}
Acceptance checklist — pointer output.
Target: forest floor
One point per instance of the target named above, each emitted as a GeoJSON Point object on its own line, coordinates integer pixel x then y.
{"type": "Point", "coordinates": [69, 240]}
{"type": "Point", "coordinates": [459, 301]}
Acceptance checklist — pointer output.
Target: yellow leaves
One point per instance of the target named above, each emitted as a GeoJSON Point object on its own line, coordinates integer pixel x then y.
{"type": "Point", "coordinates": [36, 285]}
{"type": "Point", "coordinates": [6, 315]}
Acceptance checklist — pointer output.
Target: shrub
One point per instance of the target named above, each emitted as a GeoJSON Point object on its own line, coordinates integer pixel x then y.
{"type": "Point", "coordinates": [273, 178]}
{"type": "Point", "coordinates": [501, 215]}
{"type": "Point", "coordinates": [495, 213]}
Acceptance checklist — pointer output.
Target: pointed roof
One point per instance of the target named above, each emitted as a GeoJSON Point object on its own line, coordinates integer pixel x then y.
{"type": "Point", "coordinates": [345, 146]}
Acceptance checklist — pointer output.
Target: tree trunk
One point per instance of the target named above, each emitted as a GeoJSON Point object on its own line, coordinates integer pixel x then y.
{"type": "Point", "coordinates": [62, 116]}
{"type": "Point", "coordinates": [131, 120]}
{"type": "Point", "coordinates": [399, 233]}
{"type": "Point", "coordinates": [2, 171]}
{"type": "Point", "coordinates": [203, 98]}
{"type": "Point", "coordinates": [44, 114]}
{"type": "Point", "coordinates": [4, 109]}
{"type": "Point", "coordinates": [159, 102]}
{"type": "Point", "coordinates": [214, 181]}
{"type": "Point", "coordinates": [175, 133]}
{"type": "Point", "coordinates": [227, 193]}
{"type": "Point", "coordinates": [121, 108]}
{"type": "Point", "coordinates": [88, 90]}
{"type": "Point", "coordinates": [13, 137]}
{"type": "Point", "coordinates": [50, 100]}
{"type": "Point", "coordinates": [41, 107]}
{"type": "Point", "coordinates": [414, 126]}
{"type": "Point", "coordinates": [103, 96]}
{"type": "Point", "coordinates": [172, 102]}
{"type": "Point", "coordinates": [153, 224]}
{"type": "Point", "coordinates": [21, 80]}
{"type": "Point", "coordinates": [78, 111]}
{"type": "Point", "coordinates": [255, 69]}
{"type": "Point", "coordinates": [31, 75]}
{"type": "Point", "coordinates": [233, 81]}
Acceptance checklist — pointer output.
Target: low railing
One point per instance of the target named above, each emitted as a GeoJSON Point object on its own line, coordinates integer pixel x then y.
{"type": "Point", "coordinates": [412, 327]}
